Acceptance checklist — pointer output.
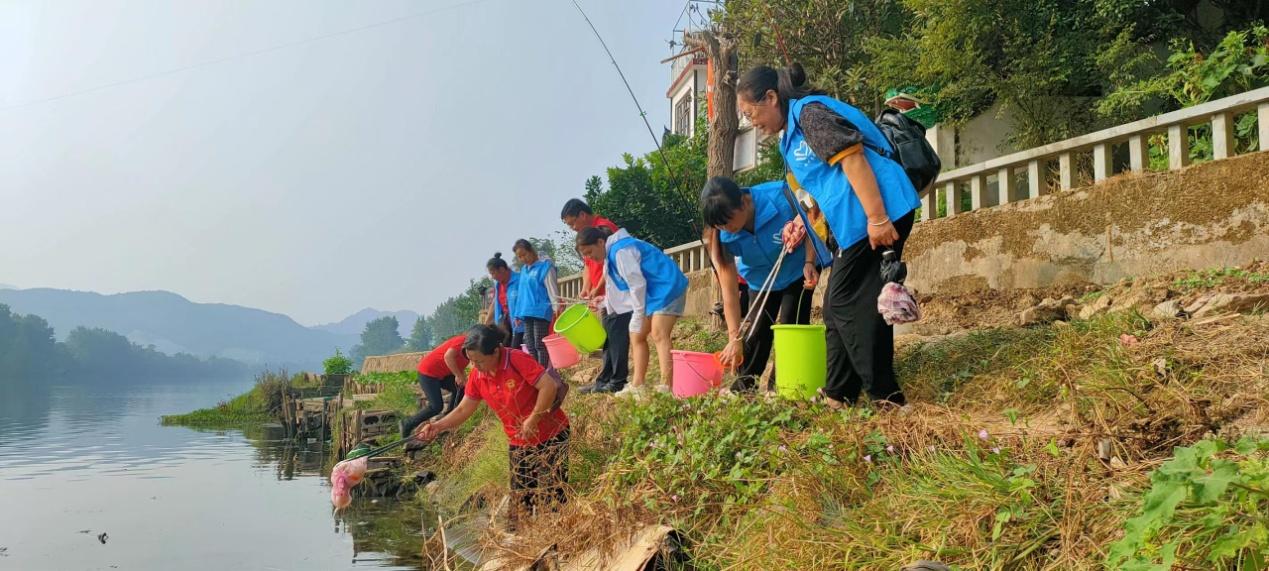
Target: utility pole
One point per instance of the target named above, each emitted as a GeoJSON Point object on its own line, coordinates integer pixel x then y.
{"type": "Point", "coordinates": [724, 121]}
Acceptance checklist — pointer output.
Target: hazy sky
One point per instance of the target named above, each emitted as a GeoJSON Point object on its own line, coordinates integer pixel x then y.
{"type": "Point", "coordinates": [379, 167]}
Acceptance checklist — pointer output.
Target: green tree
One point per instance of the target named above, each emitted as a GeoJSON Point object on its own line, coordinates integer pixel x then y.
{"type": "Point", "coordinates": [380, 337]}
{"type": "Point", "coordinates": [457, 314]}
{"type": "Point", "coordinates": [561, 248]}
{"type": "Point", "coordinates": [27, 347]}
{"type": "Point", "coordinates": [337, 364]}
{"type": "Point", "coordinates": [653, 202]}
{"type": "Point", "coordinates": [420, 336]}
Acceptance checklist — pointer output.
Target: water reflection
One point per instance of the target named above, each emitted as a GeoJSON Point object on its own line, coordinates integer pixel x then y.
{"type": "Point", "coordinates": [93, 458]}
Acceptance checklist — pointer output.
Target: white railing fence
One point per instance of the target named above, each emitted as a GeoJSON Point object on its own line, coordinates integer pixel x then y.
{"type": "Point", "coordinates": [1024, 175]}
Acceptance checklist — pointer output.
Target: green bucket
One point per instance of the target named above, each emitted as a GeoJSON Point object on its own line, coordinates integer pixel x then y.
{"type": "Point", "coordinates": [582, 329]}
{"type": "Point", "coordinates": [801, 360]}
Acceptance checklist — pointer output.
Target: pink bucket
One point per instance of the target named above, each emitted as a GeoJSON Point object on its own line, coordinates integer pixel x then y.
{"type": "Point", "coordinates": [695, 373]}
{"type": "Point", "coordinates": [563, 354]}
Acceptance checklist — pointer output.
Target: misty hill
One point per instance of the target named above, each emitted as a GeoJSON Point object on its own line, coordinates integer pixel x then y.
{"type": "Point", "coordinates": [174, 324]}
{"type": "Point", "coordinates": [356, 323]}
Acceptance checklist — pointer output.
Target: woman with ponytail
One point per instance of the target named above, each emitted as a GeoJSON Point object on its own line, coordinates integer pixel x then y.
{"type": "Point", "coordinates": [835, 153]}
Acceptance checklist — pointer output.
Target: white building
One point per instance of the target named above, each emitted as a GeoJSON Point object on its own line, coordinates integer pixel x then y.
{"type": "Point", "coordinates": [689, 90]}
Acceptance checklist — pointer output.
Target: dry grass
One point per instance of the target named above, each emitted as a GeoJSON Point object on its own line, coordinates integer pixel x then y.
{"type": "Point", "coordinates": [1074, 417]}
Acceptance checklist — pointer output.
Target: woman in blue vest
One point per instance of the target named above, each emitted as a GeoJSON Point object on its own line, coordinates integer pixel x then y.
{"type": "Point", "coordinates": [504, 298]}
{"type": "Point", "coordinates": [831, 149]}
{"type": "Point", "coordinates": [537, 298]}
{"type": "Point", "coordinates": [746, 242]}
{"type": "Point", "coordinates": [656, 288]}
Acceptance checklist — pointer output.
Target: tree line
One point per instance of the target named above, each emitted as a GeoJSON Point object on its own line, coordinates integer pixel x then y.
{"type": "Point", "coordinates": [30, 351]}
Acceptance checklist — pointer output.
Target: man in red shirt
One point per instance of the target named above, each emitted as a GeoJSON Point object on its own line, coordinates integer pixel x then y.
{"type": "Point", "coordinates": [578, 216]}
{"type": "Point", "coordinates": [612, 377]}
{"type": "Point", "coordinates": [518, 391]}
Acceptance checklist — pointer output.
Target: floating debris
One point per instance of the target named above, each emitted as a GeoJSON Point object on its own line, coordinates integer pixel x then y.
{"type": "Point", "coordinates": [103, 537]}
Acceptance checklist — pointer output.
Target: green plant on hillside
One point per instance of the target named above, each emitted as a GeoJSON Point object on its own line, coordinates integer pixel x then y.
{"type": "Point", "coordinates": [1210, 278]}
{"type": "Point", "coordinates": [1240, 62]}
{"type": "Point", "coordinates": [337, 364]}
{"type": "Point", "coordinates": [260, 404]}
{"type": "Point", "coordinates": [708, 452]}
{"type": "Point", "coordinates": [1207, 508]}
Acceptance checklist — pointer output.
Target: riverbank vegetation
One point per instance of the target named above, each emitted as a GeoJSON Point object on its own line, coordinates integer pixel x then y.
{"type": "Point", "coordinates": [262, 403]}
{"type": "Point", "coordinates": [1123, 441]}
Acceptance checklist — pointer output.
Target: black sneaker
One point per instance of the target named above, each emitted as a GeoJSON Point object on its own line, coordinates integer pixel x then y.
{"type": "Point", "coordinates": [595, 387]}
{"type": "Point", "coordinates": [610, 388]}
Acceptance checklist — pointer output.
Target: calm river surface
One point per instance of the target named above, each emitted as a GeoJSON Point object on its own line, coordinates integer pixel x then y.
{"type": "Point", "coordinates": [78, 461]}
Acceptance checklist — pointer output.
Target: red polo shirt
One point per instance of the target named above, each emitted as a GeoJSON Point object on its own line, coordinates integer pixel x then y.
{"type": "Point", "coordinates": [433, 363]}
{"type": "Point", "coordinates": [595, 269]}
{"type": "Point", "coordinates": [512, 393]}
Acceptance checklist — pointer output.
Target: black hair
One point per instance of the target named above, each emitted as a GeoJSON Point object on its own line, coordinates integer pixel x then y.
{"type": "Point", "coordinates": [719, 199]}
{"type": "Point", "coordinates": [592, 235]}
{"type": "Point", "coordinates": [496, 263]}
{"type": "Point", "coordinates": [788, 82]}
{"type": "Point", "coordinates": [523, 244]}
{"type": "Point", "coordinates": [484, 339]}
{"type": "Point", "coordinates": [574, 208]}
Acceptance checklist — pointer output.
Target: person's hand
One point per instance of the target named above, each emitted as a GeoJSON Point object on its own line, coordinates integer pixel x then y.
{"type": "Point", "coordinates": [733, 354]}
{"type": "Point", "coordinates": [529, 428]}
{"type": "Point", "coordinates": [810, 275]}
{"type": "Point", "coordinates": [793, 234]}
{"type": "Point", "coordinates": [426, 432]}
{"type": "Point", "coordinates": [883, 235]}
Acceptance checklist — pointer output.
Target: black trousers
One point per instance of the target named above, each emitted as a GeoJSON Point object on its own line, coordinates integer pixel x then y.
{"type": "Point", "coordinates": [860, 344]}
{"type": "Point", "coordinates": [435, 404]}
{"type": "Point", "coordinates": [539, 475]}
{"type": "Point", "coordinates": [616, 351]}
{"type": "Point", "coordinates": [535, 330]}
{"type": "Point", "coordinates": [791, 305]}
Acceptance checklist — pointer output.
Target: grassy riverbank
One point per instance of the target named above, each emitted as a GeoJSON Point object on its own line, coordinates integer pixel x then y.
{"type": "Point", "coordinates": [260, 404]}
{"type": "Point", "coordinates": [1120, 441]}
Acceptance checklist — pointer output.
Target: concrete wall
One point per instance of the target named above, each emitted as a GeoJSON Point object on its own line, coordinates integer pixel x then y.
{"type": "Point", "coordinates": [1209, 215]}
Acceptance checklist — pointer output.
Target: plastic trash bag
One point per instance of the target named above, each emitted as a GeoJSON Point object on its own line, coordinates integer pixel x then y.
{"type": "Point", "coordinates": [896, 303]}
{"type": "Point", "coordinates": [343, 477]}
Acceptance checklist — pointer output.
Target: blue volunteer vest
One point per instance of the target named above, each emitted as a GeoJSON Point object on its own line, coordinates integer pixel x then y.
{"type": "Point", "coordinates": [532, 299]}
{"type": "Point", "coordinates": [827, 183]}
{"type": "Point", "coordinates": [512, 296]}
{"type": "Point", "coordinates": [665, 281]}
{"type": "Point", "coordinates": [757, 252]}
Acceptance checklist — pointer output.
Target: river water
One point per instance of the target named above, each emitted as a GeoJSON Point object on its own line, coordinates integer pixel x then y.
{"type": "Point", "coordinates": [79, 461]}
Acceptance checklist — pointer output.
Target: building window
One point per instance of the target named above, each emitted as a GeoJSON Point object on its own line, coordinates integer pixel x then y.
{"type": "Point", "coordinates": [683, 116]}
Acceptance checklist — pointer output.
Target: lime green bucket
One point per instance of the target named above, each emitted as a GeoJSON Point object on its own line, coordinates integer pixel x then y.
{"type": "Point", "coordinates": [582, 329]}
{"type": "Point", "coordinates": [801, 360]}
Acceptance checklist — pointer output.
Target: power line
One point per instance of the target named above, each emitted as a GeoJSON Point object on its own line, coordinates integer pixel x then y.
{"type": "Point", "coordinates": [642, 114]}
{"type": "Point", "coordinates": [242, 55]}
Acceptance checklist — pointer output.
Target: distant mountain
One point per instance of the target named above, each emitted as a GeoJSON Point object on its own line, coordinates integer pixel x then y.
{"type": "Point", "coordinates": [174, 324]}
{"type": "Point", "coordinates": [356, 323]}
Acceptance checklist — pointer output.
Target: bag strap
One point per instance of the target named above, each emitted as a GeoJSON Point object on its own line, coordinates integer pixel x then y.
{"type": "Point", "coordinates": [787, 192]}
